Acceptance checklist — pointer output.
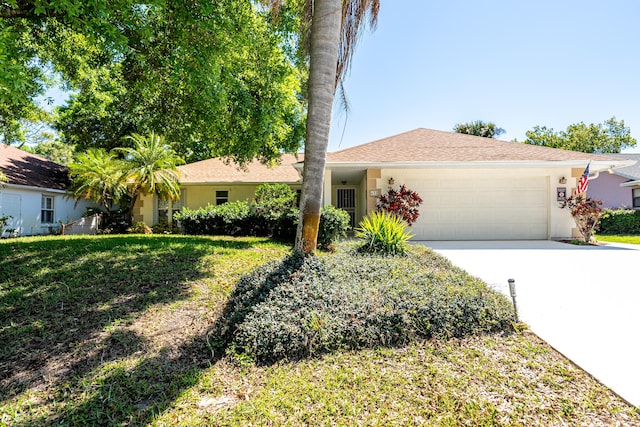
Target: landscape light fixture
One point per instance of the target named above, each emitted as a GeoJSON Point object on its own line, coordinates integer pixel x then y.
{"type": "Point", "coordinates": [512, 292]}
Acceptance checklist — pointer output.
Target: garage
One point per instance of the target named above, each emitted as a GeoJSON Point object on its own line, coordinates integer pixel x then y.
{"type": "Point", "coordinates": [482, 208]}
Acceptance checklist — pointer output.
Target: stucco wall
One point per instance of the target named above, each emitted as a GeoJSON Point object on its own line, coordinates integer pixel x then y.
{"type": "Point", "coordinates": [198, 196]}
{"type": "Point", "coordinates": [27, 217]}
{"type": "Point", "coordinates": [607, 188]}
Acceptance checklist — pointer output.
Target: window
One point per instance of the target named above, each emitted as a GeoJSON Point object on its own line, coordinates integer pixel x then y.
{"type": "Point", "coordinates": [222, 196]}
{"type": "Point", "coordinates": [166, 208]}
{"type": "Point", "coordinates": [46, 210]}
{"type": "Point", "coordinates": [636, 197]}
{"type": "Point", "coordinates": [163, 210]}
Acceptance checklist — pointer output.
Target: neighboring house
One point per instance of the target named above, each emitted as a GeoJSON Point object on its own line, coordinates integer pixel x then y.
{"type": "Point", "coordinates": [619, 188]}
{"type": "Point", "coordinates": [35, 195]}
{"type": "Point", "coordinates": [473, 188]}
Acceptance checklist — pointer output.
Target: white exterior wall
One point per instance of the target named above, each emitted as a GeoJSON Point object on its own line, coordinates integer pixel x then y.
{"type": "Point", "coordinates": [559, 221]}
{"type": "Point", "coordinates": [27, 220]}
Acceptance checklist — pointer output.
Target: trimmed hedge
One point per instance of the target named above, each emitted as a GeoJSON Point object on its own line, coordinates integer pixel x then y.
{"type": "Point", "coordinates": [243, 219]}
{"type": "Point", "coordinates": [620, 221]}
{"type": "Point", "coordinates": [302, 307]}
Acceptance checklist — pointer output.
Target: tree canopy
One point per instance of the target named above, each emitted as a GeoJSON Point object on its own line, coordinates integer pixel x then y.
{"type": "Point", "coordinates": [479, 128]}
{"type": "Point", "coordinates": [609, 137]}
{"type": "Point", "coordinates": [212, 75]}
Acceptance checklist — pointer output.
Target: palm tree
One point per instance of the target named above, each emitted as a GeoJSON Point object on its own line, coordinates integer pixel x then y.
{"type": "Point", "coordinates": [151, 168]}
{"type": "Point", "coordinates": [332, 28]}
{"type": "Point", "coordinates": [99, 176]}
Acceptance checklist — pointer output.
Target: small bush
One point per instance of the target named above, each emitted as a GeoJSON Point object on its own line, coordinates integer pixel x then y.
{"type": "Point", "coordinates": [140, 228]}
{"type": "Point", "coordinates": [164, 227]}
{"type": "Point", "coordinates": [303, 307]}
{"type": "Point", "coordinates": [586, 214]}
{"type": "Point", "coordinates": [334, 224]}
{"type": "Point", "coordinates": [383, 233]}
{"type": "Point", "coordinates": [403, 203]}
{"type": "Point", "coordinates": [620, 221]}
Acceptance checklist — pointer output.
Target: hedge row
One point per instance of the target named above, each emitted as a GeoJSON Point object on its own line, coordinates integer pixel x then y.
{"type": "Point", "coordinates": [620, 221]}
{"type": "Point", "coordinates": [243, 219]}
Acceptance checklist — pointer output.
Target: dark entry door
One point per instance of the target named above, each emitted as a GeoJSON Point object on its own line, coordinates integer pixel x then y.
{"type": "Point", "coordinates": [347, 201]}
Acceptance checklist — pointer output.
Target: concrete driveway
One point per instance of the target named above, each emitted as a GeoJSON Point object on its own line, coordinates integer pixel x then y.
{"type": "Point", "coordinates": [583, 300]}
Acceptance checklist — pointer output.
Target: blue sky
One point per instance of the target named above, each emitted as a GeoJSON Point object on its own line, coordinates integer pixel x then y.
{"type": "Point", "coordinates": [518, 64]}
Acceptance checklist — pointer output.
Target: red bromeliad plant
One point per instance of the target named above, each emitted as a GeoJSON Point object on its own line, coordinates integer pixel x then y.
{"type": "Point", "coordinates": [403, 203]}
{"type": "Point", "coordinates": [586, 213]}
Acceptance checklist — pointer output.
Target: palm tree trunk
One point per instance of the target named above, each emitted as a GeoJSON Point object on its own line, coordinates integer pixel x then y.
{"type": "Point", "coordinates": [325, 38]}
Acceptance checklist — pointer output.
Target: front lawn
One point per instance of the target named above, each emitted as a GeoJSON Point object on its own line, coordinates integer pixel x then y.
{"type": "Point", "coordinates": [119, 330]}
{"type": "Point", "coordinates": [631, 239]}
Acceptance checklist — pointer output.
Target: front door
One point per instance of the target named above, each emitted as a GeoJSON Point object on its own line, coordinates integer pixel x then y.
{"type": "Point", "coordinates": [347, 201]}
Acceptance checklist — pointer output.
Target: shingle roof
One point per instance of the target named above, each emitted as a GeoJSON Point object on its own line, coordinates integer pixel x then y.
{"type": "Point", "coordinates": [427, 145]}
{"type": "Point", "coordinates": [216, 170]}
{"type": "Point", "coordinates": [632, 172]}
{"type": "Point", "coordinates": [22, 168]}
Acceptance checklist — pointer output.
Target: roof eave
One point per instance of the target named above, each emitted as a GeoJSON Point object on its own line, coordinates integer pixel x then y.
{"type": "Point", "coordinates": [596, 165]}
{"type": "Point", "coordinates": [631, 183]}
{"type": "Point", "coordinates": [202, 183]}
{"type": "Point", "coordinates": [34, 188]}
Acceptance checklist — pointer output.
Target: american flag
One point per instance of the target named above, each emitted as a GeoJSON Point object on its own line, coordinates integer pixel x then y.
{"type": "Point", "coordinates": [583, 183]}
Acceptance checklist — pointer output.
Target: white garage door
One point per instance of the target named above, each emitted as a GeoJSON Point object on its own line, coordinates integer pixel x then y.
{"type": "Point", "coordinates": [482, 209]}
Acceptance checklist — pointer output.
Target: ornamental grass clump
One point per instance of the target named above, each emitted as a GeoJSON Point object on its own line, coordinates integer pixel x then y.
{"type": "Point", "coordinates": [382, 232]}
{"type": "Point", "coordinates": [306, 306]}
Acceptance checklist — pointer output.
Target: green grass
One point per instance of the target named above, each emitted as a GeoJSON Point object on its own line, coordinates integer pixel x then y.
{"type": "Point", "coordinates": [634, 240]}
{"type": "Point", "coordinates": [116, 331]}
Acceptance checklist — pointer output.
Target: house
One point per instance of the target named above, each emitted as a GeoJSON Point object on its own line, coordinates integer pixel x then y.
{"type": "Point", "coordinates": [473, 188]}
{"type": "Point", "coordinates": [215, 181]}
{"type": "Point", "coordinates": [35, 195]}
{"type": "Point", "coordinates": [618, 188]}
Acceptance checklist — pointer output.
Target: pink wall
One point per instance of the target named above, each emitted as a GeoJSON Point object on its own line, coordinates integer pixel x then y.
{"type": "Point", "coordinates": [607, 188]}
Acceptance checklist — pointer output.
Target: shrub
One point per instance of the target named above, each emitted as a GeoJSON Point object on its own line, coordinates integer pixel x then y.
{"type": "Point", "coordinates": [334, 224]}
{"type": "Point", "coordinates": [241, 219]}
{"type": "Point", "coordinates": [303, 307]}
{"type": "Point", "coordinates": [403, 203]}
{"type": "Point", "coordinates": [164, 227]}
{"type": "Point", "coordinates": [140, 228]}
{"type": "Point", "coordinates": [272, 201]}
{"type": "Point", "coordinates": [585, 212]}
{"type": "Point", "coordinates": [232, 218]}
{"type": "Point", "coordinates": [383, 233]}
{"type": "Point", "coordinates": [620, 221]}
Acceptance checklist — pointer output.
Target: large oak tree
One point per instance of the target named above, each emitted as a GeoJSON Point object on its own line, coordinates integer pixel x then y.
{"type": "Point", "coordinates": [212, 75]}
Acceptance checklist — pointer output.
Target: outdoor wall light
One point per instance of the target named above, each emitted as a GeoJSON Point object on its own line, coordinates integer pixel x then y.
{"type": "Point", "coordinates": [343, 182]}
{"type": "Point", "coordinates": [563, 180]}
{"type": "Point", "coordinates": [391, 181]}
